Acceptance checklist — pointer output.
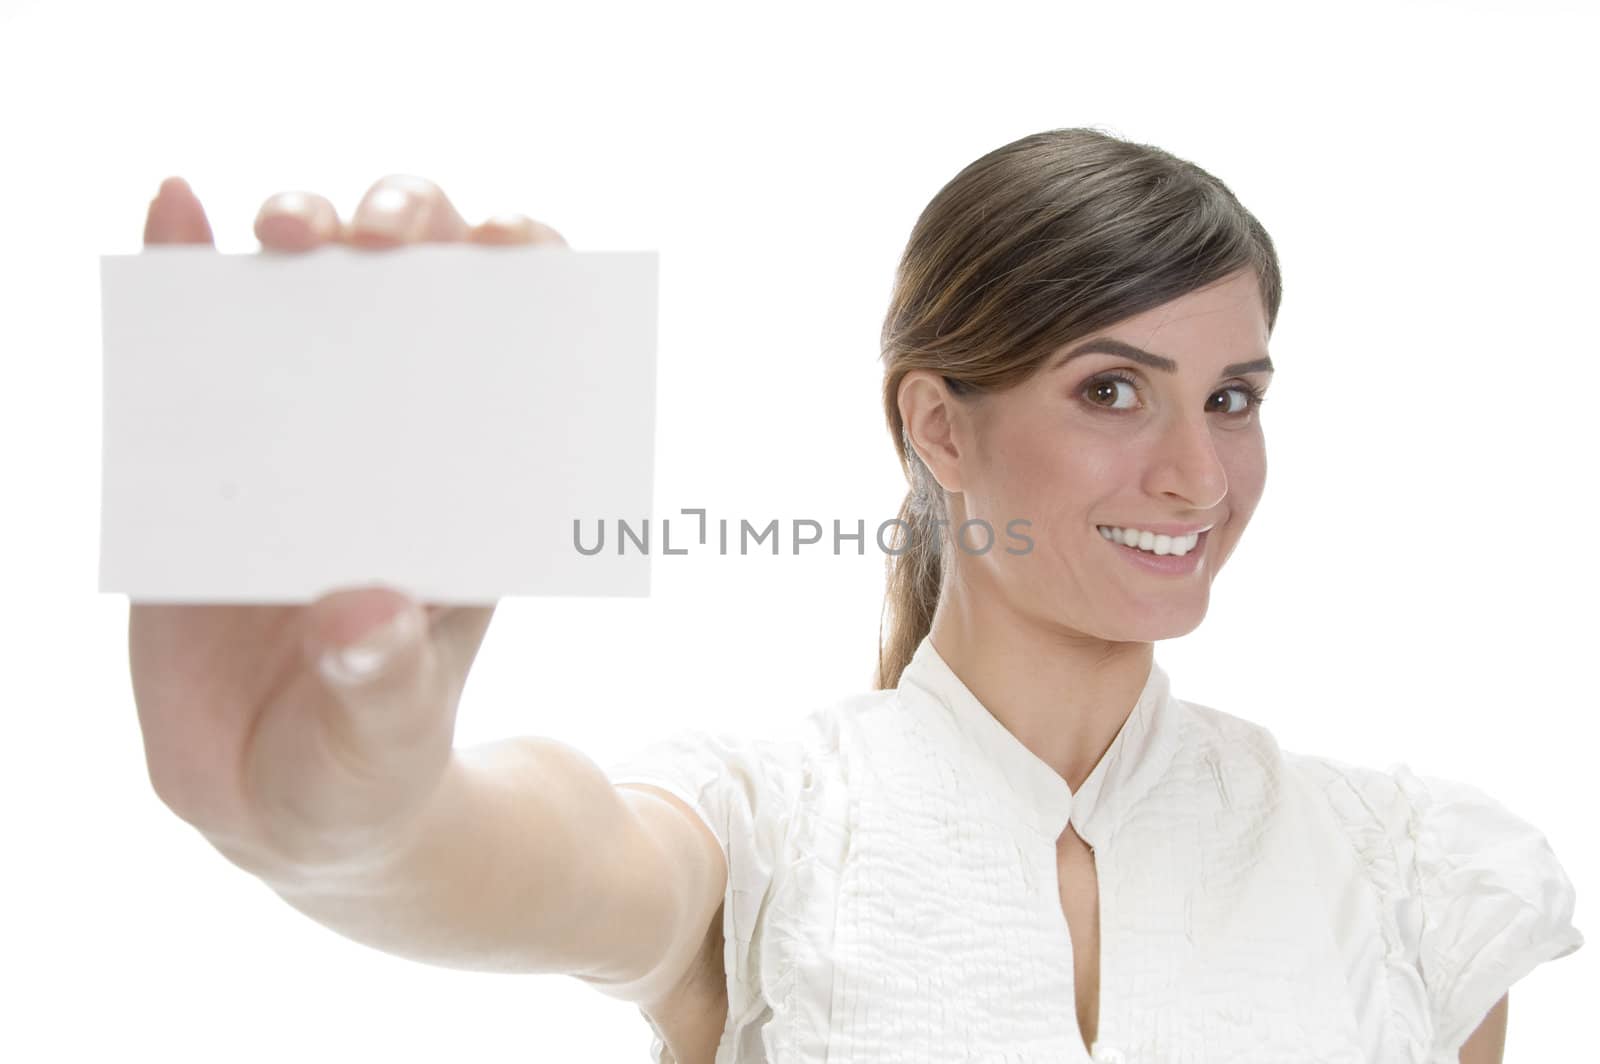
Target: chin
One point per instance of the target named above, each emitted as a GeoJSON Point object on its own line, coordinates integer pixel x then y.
{"type": "Point", "coordinates": [1155, 623]}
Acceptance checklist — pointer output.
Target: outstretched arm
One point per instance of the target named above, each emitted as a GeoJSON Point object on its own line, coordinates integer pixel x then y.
{"type": "Point", "coordinates": [529, 860]}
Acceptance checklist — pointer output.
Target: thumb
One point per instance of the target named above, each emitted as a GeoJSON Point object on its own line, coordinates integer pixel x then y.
{"type": "Point", "coordinates": [373, 649]}
{"type": "Point", "coordinates": [175, 216]}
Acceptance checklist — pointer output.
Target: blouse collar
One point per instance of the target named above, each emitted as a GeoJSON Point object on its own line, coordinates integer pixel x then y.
{"type": "Point", "coordinates": [1132, 764]}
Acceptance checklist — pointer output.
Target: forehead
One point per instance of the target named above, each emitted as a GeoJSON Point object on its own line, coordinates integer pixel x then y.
{"type": "Point", "coordinates": [1222, 326]}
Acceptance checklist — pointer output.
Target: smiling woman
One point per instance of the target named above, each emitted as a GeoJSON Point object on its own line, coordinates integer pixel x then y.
{"type": "Point", "coordinates": [1025, 814]}
{"type": "Point", "coordinates": [1162, 457]}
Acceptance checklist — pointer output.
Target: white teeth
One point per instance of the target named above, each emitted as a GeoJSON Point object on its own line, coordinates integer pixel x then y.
{"type": "Point", "coordinates": [1149, 541]}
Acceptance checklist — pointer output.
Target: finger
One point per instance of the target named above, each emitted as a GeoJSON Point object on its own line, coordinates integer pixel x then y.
{"type": "Point", "coordinates": [403, 209]}
{"type": "Point", "coordinates": [514, 229]}
{"type": "Point", "coordinates": [297, 221]}
{"type": "Point", "coordinates": [341, 783]}
{"type": "Point", "coordinates": [176, 217]}
{"type": "Point", "coordinates": [458, 633]}
{"type": "Point", "coordinates": [372, 649]}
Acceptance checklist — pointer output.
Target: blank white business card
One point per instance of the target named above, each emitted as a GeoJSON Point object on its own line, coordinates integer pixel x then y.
{"type": "Point", "coordinates": [450, 419]}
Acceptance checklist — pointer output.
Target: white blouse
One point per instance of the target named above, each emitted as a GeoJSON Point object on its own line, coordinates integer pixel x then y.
{"type": "Point", "coordinates": [892, 893]}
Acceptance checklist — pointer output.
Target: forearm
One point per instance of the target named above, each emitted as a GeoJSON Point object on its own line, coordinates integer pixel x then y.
{"type": "Point", "coordinates": [504, 872]}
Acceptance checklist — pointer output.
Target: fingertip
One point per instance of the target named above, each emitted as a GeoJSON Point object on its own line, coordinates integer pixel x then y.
{"type": "Point", "coordinates": [343, 615]}
{"type": "Point", "coordinates": [544, 234]}
{"type": "Point", "coordinates": [175, 216]}
{"type": "Point", "coordinates": [296, 221]}
{"type": "Point", "coordinates": [517, 229]}
{"type": "Point", "coordinates": [285, 232]}
{"type": "Point", "coordinates": [374, 651]}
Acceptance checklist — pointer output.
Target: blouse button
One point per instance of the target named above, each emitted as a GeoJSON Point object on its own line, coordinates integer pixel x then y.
{"type": "Point", "coordinates": [1108, 1055]}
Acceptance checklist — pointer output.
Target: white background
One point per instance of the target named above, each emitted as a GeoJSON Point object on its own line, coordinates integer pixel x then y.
{"type": "Point", "coordinates": [1418, 584]}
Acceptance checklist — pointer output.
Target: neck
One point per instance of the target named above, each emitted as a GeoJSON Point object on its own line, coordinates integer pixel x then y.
{"type": "Point", "coordinates": [1063, 694]}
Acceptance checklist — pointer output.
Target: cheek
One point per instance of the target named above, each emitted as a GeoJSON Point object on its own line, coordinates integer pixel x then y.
{"type": "Point", "coordinates": [1054, 488]}
{"type": "Point", "coordinates": [1247, 475]}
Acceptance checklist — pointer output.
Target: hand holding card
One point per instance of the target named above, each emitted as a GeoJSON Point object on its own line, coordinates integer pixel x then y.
{"type": "Point", "coordinates": [243, 393]}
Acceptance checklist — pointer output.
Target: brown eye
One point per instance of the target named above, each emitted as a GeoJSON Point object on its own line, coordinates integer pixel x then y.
{"type": "Point", "coordinates": [1252, 399]}
{"type": "Point", "coordinates": [1101, 394]}
{"type": "Point", "coordinates": [1102, 391]}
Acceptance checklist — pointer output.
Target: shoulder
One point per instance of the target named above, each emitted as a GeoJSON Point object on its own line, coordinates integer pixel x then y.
{"type": "Point", "coordinates": [1457, 843]}
{"type": "Point", "coordinates": [1365, 801]}
{"type": "Point", "coordinates": [1209, 731]}
{"type": "Point", "coordinates": [1242, 756]}
{"type": "Point", "coordinates": [747, 779]}
{"type": "Point", "coordinates": [1490, 898]}
{"type": "Point", "coordinates": [1446, 824]}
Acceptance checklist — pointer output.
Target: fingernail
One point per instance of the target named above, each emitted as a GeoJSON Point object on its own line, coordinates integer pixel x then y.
{"type": "Point", "coordinates": [371, 655]}
{"type": "Point", "coordinates": [313, 211]}
{"type": "Point", "coordinates": [390, 212]}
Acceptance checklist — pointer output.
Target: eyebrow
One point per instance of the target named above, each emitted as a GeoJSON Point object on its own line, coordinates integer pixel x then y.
{"type": "Point", "coordinates": [1105, 345]}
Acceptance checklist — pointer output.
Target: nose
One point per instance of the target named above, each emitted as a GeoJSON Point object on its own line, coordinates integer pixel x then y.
{"type": "Point", "coordinates": [1186, 466]}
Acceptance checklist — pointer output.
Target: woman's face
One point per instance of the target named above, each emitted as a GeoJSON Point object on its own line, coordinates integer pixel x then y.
{"type": "Point", "coordinates": [1104, 438]}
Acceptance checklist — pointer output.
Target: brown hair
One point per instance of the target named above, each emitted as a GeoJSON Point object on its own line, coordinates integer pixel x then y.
{"type": "Point", "coordinates": [1039, 243]}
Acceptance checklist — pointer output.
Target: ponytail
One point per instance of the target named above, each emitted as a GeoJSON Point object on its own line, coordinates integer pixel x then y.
{"type": "Point", "coordinates": [915, 571]}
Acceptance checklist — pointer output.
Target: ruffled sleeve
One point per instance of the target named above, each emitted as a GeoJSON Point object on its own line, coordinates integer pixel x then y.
{"type": "Point", "coordinates": [743, 788]}
{"type": "Point", "coordinates": [1495, 901]}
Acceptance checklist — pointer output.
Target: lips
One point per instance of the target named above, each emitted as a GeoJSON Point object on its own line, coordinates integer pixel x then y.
{"type": "Point", "coordinates": [1149, 539]}
{"type": "Point", "coordinates": [1169, 564]}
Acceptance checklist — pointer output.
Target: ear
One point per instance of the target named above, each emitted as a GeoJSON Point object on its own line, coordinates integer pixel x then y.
{"type": "Point", "coordinates": [932, 418]}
